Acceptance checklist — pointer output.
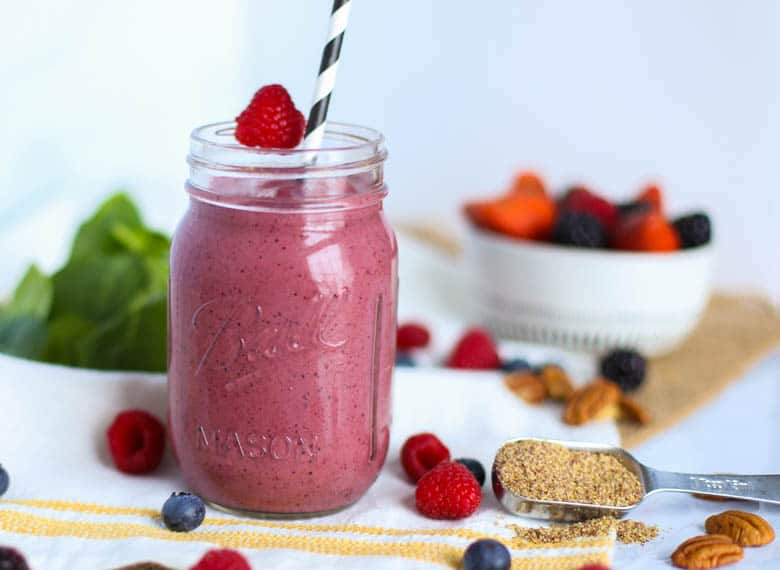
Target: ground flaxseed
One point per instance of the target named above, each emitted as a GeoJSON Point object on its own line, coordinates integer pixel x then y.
{"type": "Point", "coordinates": [552, 472]}
{"type": "Point", "coordinates": [627, 532]}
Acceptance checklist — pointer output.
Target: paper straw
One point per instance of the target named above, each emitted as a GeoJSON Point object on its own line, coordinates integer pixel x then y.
{"type": "Point", "coordinates": [326, 80]}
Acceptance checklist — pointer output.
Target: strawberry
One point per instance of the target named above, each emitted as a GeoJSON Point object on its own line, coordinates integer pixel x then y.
{"type": "Point", "coordinates": [652, 196]}
{"type": "Point", "coordinates": [528, 182]}
{"type": "Point", "coordinates": [645, 231]}
{"type": "Point", "coordinates": [475, 350]}
{"type": "Point", "coordinates": [524, 215]}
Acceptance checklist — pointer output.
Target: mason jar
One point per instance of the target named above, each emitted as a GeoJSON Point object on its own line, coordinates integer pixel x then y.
{"type": "Point", "coordinates": [281, 323]}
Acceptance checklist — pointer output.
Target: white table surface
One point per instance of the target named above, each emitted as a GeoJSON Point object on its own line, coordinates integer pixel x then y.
{"type": "Point", "coordinates": [737, 433]}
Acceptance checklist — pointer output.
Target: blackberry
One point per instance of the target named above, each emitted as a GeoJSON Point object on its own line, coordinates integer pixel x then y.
{"type": "Point", "coordinates": [11, 559]}
{"type": "Point", "coordinates": [636, 207]}
{"type": "Point", "coordinates": [624, 367]}
{"type": "Point", "coordinates": [183, 512]}
{"type": "Point", "coordinates": [487, 554]}
{"type": "Point", "coordinates": [580, 230]}
{"type": "Point", "coordinates": [475, 467]}
{"type": "Point", "coordinates": [694, 229]}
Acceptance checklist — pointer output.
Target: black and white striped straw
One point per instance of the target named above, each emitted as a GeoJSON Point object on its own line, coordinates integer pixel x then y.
{"type": "Point", "coordinates": [326, 80]}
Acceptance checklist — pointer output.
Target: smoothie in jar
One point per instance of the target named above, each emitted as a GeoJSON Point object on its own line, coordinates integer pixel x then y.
{"type": "Point", "coordinates": [281, 323]}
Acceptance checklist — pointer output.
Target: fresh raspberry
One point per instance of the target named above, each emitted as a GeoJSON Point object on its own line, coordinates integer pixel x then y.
{"type": "Point", "coordinates": [136, 440]}
{"type": "Point", "coordinates": [271, 120]}
{"type": "Point", "coordinates": [652, 196]}
{"type": "Point", "coordinates": [594, 567]}
{"type": "Point", "coordinates": [475, 350]}
{"type": "Point", "coordinates": [580, 199]}
{"type": "Point", "coordinates": [12, 559]}
{"type": "Point", "coordinates": [222, 560]}
{"type": "Point", "coordinates": [412, 335]}
{"type": "Point", "coordinates": [648, 231]}
{"type": "Point", "coordinates": [448, 491]}
{"type": "Point", "coordinates": [421, 453]}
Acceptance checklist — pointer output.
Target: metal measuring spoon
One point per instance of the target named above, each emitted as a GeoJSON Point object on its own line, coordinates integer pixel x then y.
{"type": "Point", "coordinates": [747, 487]}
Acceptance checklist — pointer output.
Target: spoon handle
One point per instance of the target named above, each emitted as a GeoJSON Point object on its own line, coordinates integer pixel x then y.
{"type": "Point", "coordinates": [751, 487]}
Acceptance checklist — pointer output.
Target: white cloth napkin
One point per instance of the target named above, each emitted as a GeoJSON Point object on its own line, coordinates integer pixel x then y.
{"type": "Point", "coordinates": [68, 507]}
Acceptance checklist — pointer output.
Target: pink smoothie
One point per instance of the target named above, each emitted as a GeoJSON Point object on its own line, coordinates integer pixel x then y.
{"type": "Point", "coordinates": [281, 333]}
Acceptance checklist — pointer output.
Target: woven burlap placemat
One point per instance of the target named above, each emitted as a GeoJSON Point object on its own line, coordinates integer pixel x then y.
{"type": "Point", "coordinates": [735, 332]}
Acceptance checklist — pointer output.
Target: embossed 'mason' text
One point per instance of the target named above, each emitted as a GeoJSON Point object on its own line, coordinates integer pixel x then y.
{"type": "Point", "coordinates": [256, 446]}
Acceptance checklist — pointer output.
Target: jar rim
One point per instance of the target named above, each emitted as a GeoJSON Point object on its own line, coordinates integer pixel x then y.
{"type": "Point", "coordinates": [344, 146]}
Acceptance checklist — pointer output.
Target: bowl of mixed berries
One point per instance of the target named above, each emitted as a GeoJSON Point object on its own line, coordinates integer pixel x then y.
{"type": "Point", "coordinates": [581, 271]}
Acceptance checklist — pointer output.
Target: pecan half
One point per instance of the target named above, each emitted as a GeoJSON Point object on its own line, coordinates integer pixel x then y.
{"type": "Point", "coordinates": [597, 401]}
{"type": "Point", "coordinates": [527, 386]}
{"type": "Point", "coordinates": [632, 410]}
{"type": "Point", "coordinates": [557, 382]}
{"type": "Point", "coordinates": [745, 529]}
{"type": "Point", "coordinates": [707, 551]}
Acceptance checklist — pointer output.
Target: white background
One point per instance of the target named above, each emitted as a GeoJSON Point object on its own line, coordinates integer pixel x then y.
{"type": "Point", "coordinates": [101, 94]}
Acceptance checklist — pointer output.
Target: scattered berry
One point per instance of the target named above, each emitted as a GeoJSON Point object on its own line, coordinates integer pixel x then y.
{"type": "Point", "coordinates": [624, 367]}
{"type": "Point", "coordinates": [653, 197]}
{"type": "Point", "coordinates": [448, 491]}
{"type": "Point", "coordinates": [5, 481]}
{"type": "Point", "coordinates": [487, 554]}
{"type": "Point", "coordinates": [579, 229]}
{"type": "Point", "coordinates": [515, 365]}
{"type": "Point", "coordinates": [594, 567]}
{"type": "Point", "coordinates": [136, 440]}
{"type": "Point", "coordinates": [12, 559]}
{"type": "Point", "coordinates": [271, 120]}
{"type": "Point", "coordinates": [475, 467]}
{"type": "Point", "coordinates": [694, 230]}
{"type": "Point", "coordinates": [183, 512]}
{"type": "Point", "coordinates": [222, 560]}
{"type": "Point", "coordinates": [581, 200]}
{"type": "Point", "coordinates": [645, 232]}
{"type": "Point", "coordinates": [421, 453]}
{"type": "Point", "coordinates": [475, 350]}
{"type": "Point", "coordinates": [412, 335]}
{"type": "Point", "coordinates": [404, 359]}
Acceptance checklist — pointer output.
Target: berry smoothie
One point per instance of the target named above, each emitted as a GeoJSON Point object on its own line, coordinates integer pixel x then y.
{"type": "Point", "coordinates": [281, 342]}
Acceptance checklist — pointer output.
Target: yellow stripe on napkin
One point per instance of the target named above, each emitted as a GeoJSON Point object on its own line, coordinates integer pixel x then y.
{"type": "Point", "coordinates": [18, 522]}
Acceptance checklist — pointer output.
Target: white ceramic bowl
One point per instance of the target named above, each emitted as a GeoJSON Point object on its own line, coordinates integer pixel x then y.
{"type": "Point", "coordinates": [587, 299]}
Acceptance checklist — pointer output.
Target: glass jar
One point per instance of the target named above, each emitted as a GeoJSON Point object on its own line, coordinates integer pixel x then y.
{"type": "Point", "coordinates": [281, 332]}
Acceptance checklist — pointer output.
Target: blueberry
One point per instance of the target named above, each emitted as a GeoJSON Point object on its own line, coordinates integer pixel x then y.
{"type": "Point", "coordinates": [183, 512]}
{"type": "Point", "coordinates": [694, 230]}
{"type": "Point", "coordinates": [515, 365]}
{"type": "Point", "coordinates": [404, 359]}
{"type": "Point", "coordinates": [475, 467]}
{"type": "Point", "coordinates": [11, 559]}
{"type": "Point", "coordinates": [579, 230]}
{"type": "Point", "coordinates": [624, 367]}
{"type": "Point", "coordinates": [487, 554]}
{"type": "Point", "coordinates": [5, 481]}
